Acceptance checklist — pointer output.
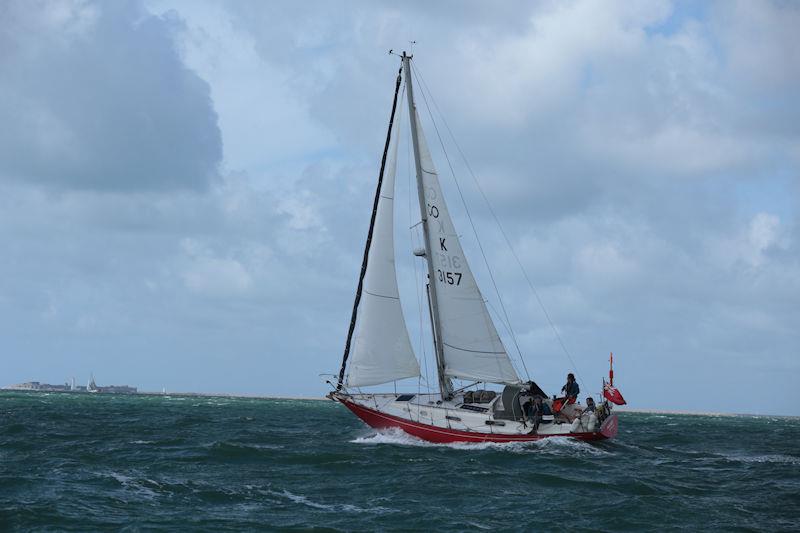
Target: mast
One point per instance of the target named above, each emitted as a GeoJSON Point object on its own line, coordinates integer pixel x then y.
{"type": "Point", "coordinates": [445, 385]}
{"type": "Point", "coordinates": [365, 260]}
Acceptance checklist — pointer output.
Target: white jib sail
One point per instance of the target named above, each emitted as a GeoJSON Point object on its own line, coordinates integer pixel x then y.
{"type": "Point", "coordinates": [382, 349]}
{"type": "Point", "coordinates": [472, 348]}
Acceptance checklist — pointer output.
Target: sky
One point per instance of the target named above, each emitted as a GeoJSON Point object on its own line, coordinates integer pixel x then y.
{"type": "Point", "coordinates": [185, 188]}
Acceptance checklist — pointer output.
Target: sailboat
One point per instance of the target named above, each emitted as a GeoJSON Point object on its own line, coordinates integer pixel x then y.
{"type": "Point", "coordinates": [90, 385]}
{"type": "Point", "coordinates": [467, 346]}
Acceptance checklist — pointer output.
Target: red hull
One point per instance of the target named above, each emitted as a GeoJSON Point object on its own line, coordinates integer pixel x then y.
{"type": "Point", "coordinates": [430, 433]}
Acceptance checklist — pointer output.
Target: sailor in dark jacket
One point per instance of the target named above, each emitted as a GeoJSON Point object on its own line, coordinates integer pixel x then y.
{"type": "Point", "coordinates": [571, 389]}
{"type": "Point", "coordinates": [590, 406]}
{"type": "Point", "coordinates": [537, 410]}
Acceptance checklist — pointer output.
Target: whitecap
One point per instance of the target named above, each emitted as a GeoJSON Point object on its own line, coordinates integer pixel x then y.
{"type": "Point", "coordinates": [479, 526]}
{"type": "Point", "coordinates": [121, 478]}
{"type": "Point", "coordinates": [336, 507]}
{"type": "Point", "coordinates": [260, 446]}
{"type": "Point", "coordinates": [243, 446]}
{"type": "Point", "coordinates": [129, 483]}
{"type": "Point", "coordinates": [775, 458]}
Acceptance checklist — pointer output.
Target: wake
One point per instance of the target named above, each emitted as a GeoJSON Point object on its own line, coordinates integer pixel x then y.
{"type": "Point", "coordinates": [554, 445]}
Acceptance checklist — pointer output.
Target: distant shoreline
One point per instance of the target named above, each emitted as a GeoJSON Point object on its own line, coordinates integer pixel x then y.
{"type": "Point", "coordinates": [323, 398]}
{"type": "Point", "coordinates": [691, 413]}
{"type": "Point", "coordinates": [178, 394]}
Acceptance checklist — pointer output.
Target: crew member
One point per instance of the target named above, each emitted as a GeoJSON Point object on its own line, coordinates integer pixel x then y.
{"type": "Point", "coordinates": [571, 389]}
{"type": "Point", "coordinates": [590, 407]}
{"type": "Point", "coordinates": [537, 410]}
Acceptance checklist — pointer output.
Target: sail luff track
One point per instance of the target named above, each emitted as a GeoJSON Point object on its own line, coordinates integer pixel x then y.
{"type": "Point", "coordinates": [365, 260]}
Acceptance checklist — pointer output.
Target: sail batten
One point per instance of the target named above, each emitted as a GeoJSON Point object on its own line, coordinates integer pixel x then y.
{"type": "Point", "coordinates": [471, 351]}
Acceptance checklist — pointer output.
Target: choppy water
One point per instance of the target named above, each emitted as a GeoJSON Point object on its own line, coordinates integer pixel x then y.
{"type": "Point", "coordinates": [102, 462]}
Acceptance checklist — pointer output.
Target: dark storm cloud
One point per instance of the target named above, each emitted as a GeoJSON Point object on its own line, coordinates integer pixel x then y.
{"type": "Point", "coordinates": [95, 96]}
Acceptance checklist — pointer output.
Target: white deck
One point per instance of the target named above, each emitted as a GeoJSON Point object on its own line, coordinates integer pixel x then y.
{"type": "Point", "coordinates": [474, 417]}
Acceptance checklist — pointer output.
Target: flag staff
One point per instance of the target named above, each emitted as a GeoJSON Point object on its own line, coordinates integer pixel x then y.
{"type": "Point", "coordinates": [611, 369]}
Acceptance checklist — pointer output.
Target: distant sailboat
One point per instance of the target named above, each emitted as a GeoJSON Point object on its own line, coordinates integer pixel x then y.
{"type": "Point", "coordinates": [91, 386]}
{"type": "Point", "coordinates": [378, 348]}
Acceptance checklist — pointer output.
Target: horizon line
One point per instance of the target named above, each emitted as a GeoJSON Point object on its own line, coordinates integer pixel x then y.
{"type": "Point", "coordinates": [621, 409]}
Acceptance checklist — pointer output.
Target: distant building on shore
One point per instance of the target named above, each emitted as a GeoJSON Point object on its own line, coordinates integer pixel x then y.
{"type": "Point", "coordinates": [118, 389]}
{"type": "Point", "coordinates": [35, 385]}
{"type": "Point", "coordinates": [72, 387]}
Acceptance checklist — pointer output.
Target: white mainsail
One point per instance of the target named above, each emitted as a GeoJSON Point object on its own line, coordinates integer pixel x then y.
{"type": "Point", "coordinates": [472, 349]}
{"type": "Point", "coordinates": [382, 349]}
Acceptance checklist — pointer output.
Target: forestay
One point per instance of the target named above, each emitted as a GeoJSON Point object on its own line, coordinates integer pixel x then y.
{"type": "Point", "coordinates": [382, 350]}
{"type": "Point", "coordinates": [472, 348]}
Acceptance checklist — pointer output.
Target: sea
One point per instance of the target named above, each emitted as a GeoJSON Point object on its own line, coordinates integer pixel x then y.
{"type": "Point", "coordinates": [96, 462]}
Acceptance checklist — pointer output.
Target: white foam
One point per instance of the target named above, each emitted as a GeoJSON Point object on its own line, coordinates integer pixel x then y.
{"type": "Point", "coordinates": [121, 478]}
{"type": "Point", "coordinates": [399, 437]}
{"type": "Point", "coordinates": [555, 444]}
{"type": "Point", "coordinates": [776, 458]}
{"type": "Point", "coordinates": [131, 484]}
{"type": "Point", "coordinates": [479, 526]}
{"type": "Point", "coordinates": [261, 446]}
{"type": "Point", "coordinates": [391, 436]}
{"type": "Point", "coordinates": [244, 446]}
{"type": "Point", "coordinates": [336, 507]}
{"type": "Point", "coordinates": [571, 446]}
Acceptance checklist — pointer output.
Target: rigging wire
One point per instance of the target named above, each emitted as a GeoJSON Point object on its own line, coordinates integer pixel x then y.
{"type": "Point", "coordinates": [499, 317]}
{"type": "Point", "coordinates": [419, 75]}
{"type": "Point", "coordinates": [469, 217]}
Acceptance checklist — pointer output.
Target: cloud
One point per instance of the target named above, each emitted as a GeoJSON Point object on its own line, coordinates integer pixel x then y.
{"type": "Point", "coordinates": [759, 42]}
{"type": "Point", "coordinates": [96, 96]}
{"type": "Point", "coordinates": [210, 275]}
{"type": "Point", "coordinates": [643, 161]}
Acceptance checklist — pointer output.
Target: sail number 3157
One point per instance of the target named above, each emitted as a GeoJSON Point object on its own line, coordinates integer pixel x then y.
{"type": "Point", "coordinates": [451, 278]}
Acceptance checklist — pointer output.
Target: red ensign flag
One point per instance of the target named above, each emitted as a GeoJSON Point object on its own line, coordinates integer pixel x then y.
{"type": "Point", "coordinates": [612, 394]}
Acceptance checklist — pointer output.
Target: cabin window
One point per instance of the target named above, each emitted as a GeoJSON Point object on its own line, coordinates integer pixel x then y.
{"type": "Point", "coordinates": [475, 408]}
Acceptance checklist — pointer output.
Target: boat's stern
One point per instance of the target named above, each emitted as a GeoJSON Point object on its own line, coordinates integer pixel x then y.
{"type": "Point", "coordinates": [610, 427]}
